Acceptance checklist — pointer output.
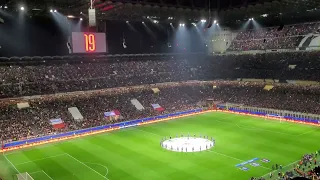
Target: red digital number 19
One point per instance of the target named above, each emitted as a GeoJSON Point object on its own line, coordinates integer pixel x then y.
{"type": "Point", "coordinates": [90, 41]}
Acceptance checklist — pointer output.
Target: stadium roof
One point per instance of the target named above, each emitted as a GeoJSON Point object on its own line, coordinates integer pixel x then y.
{"type": "Point", "coordinates": [224, 10]}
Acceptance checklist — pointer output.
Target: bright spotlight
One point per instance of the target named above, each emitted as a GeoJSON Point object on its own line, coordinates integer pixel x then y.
{"type": "Point", "coordinates": [203, 20]}
{"type": "Point", "coordinates": [81, 19]}
{"type": "Point", "coordinates": [215, 21]}
{"type": "Point", "coordinates": [170, 23]}
{"type": "Point", "coordinates": [182, 24]}
{"type": "Point", "coordinates": [194, 24]}
{"type": "Point", "coordinates": [142, 22]}
{"type": "Point", "coordinates": [22, 8]}
{"type": "Point", "coordinates": [217, 24]}
{"type": "Point", "coordinates": [51, 10]}
{"type": "Point", "coordinates": [127, 21]}
{"type": "Point", "coordinates": [55, 10]}
{"type": "Point", "coordinates": [6, 7]}
{"type": "Point", "coordinates": [252, 19]}
{"type": "Point", "coordinates": [81, 13]}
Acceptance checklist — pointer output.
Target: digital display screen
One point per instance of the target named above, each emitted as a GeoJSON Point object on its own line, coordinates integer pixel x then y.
{"type": "Point", "coordinates": [89, 42]}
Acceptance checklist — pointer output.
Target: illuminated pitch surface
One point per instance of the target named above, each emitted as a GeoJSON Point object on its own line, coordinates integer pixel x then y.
{"type": "Point", "coordinates": [135, 153]}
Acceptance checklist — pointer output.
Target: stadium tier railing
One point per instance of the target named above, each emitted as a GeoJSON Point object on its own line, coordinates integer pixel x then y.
{"type": "Point", "coordinates": [94, 130]}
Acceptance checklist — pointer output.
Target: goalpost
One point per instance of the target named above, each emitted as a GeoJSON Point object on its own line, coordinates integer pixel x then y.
{"type": "Point", "coordinates": [271, 116]}
{"type": "Point", "coordinates": [24, 176]}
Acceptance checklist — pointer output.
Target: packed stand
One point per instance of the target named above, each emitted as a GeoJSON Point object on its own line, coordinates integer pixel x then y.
{"type": "Point", "coordinates": [287, 37]}
{"type": "Point", "coordinates": [34, 121]}
{"type": "Point", "coordinates": [173, 97]}
{"type": "Point", "coordinates": [25, 79]}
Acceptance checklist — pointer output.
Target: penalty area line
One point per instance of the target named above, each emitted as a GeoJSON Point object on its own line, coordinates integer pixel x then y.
{"type": "Point", "coordinates": [48, 157]}
{"type": "Point", "coordinates": [86, 166]}
{"type": "Point", "coordinates": [99, 165]}
{"type": "Point", "coordinates": [47, 175]}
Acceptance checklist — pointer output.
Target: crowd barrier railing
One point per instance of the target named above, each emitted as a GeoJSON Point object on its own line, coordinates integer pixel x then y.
{"type": "Point", "coordinates": [95, 130]}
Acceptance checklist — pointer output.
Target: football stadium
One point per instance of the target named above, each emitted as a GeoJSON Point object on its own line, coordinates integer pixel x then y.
{"type": "Point", "coordinates": [159, 89]}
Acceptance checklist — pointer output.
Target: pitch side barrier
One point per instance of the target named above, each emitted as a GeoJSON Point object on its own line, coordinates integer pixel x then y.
{"type": "Point", "coordinates": [274, 116]}
{"type": "Point", "coordinates": [95, 130]}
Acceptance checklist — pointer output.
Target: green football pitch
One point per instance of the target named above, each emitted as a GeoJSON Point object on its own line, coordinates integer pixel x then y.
{"type": "Point", "coordinates": [136, 154]}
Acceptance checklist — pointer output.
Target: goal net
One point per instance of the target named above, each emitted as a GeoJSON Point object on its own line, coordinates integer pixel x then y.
{"type": "Point", "coordinates": [272, 116]}
{"type": "Point", "coordinates": [24, 176]}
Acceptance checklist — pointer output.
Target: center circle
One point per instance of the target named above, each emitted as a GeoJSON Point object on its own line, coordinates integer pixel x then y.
{"type": "Point", "coordinates": [187, 144]}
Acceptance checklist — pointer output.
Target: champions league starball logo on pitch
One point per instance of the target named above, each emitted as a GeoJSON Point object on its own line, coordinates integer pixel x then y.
{"type": "Point", "coordinates": [187, 144]}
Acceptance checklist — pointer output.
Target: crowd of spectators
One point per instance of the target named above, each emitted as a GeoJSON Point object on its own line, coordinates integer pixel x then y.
{"type": "Point", "coordinates": [25, 79]}
{"type": "Point", "coordinates": [34, 121]}
{"type": "Point", "coordinates": [308, 167]}
{"type": "Point", "coordinates": [287, 37]}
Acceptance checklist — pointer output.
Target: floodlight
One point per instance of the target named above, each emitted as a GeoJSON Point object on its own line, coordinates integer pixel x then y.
{"type": "Point", "coordinates": [22, 8]}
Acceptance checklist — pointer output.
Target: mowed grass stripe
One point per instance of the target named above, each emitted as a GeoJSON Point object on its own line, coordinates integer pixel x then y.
{"type": "Point", "coordinates": [135, 153]}
{"type": "Point", "coordinates": [89, 151]}
{"type": "Point", "coordinates": [49, 165]}
{"type": "Point", "coordinates": [139, 152]}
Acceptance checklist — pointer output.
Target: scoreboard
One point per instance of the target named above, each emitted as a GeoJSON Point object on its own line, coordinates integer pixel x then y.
{"type": "Point", "coordinates": [89, 42]}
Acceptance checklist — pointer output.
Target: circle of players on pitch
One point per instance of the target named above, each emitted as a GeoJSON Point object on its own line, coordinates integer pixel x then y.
{"type": "Point", "coordinates": [186, 149]}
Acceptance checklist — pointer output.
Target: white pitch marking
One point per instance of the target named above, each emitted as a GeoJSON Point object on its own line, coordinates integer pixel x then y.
{"type": "Point", "coordinates": [87, 166]}
{"type": "Point", "coordinates": [12, 164]}
{"type": "Point", "coordinates": [41, 159]}
{"type": "Point", "coordinates": [233, 158]}
{"type": "Point", "coordinates": [283, 167]}
{"type": "Point", "coordinates": [99, 165]}
{"type": "Point", "coordinates": [46, 174]}
{"type": "Point", "coordinates": [307, 132]}
{"type": "Point", "coordinates": [36, 172]}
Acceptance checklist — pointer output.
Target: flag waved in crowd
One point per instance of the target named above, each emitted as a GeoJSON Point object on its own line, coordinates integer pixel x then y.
{"type": "Point", "coordinates": [112, 115]}
{"type": "Point", "coordinates": [57, 123]}
{"type": "Point", "coordinates": [157, 107]}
